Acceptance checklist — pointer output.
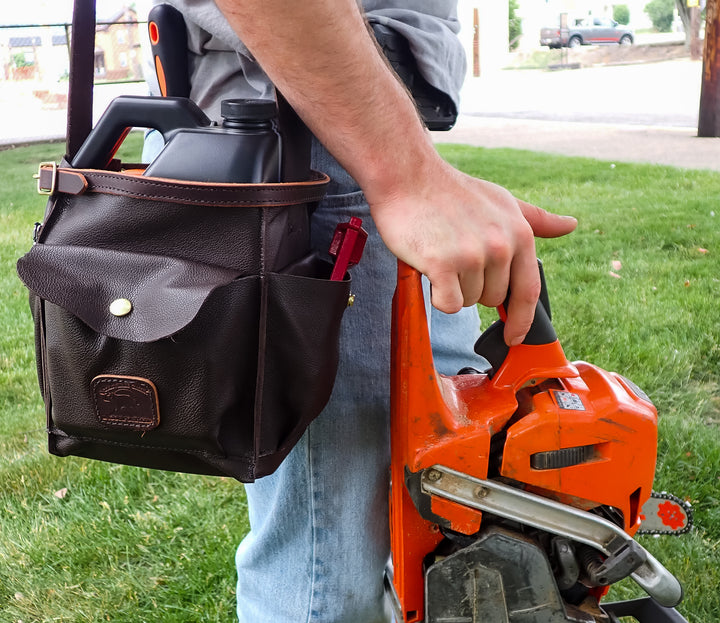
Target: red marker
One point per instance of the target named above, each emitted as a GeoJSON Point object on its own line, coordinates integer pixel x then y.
{"type": "Point", "coordinates": [347, 247]}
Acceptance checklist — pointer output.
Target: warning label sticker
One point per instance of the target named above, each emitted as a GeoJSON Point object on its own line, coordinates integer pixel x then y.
{"type": "Point", "coordinates": [569, 401]}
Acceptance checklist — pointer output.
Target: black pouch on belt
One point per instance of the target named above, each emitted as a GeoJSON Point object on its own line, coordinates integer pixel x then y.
{"type": "Point", "coordinates": [436, 108]}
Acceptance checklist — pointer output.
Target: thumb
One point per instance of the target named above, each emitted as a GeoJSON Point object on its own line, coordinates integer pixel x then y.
{"type": "Point", "coordinates": [545, 224]}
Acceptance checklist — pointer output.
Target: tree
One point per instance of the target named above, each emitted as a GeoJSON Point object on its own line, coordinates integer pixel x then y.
{"type": "Point", "coordinates": [684, 12]}
{"type": "Point", "coordinates": [19, 60]}
{"type": "Point", "coordinates": [661, 14]}
{"type": "Point", "coordinates": [621, 14]}
{"type": "Point", "coordinates": [514, 25]}
{"type": "Point", "coordinates": [686, 16]}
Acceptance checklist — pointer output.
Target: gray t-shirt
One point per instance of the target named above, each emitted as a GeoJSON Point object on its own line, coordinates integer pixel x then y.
{"type": "Point", "coordinates": [217, 54]}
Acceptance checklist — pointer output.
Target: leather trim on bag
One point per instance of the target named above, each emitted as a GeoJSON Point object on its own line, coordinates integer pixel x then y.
{"type": "Point", "coordinates": [210, 194]}
{"type": "Point", "coordinates": [126, 402]}
{"type": "Point", "coordinates": [61, 180]}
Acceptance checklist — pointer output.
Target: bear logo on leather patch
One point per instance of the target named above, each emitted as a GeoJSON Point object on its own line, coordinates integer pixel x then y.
{"type": "Point", "coordinates": [126, 402]}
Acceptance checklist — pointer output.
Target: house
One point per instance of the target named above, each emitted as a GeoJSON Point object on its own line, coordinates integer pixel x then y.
{"type": "Point", "coordinates": [117, 47]}
{"type": "Point", "coordinates": [41, 53]}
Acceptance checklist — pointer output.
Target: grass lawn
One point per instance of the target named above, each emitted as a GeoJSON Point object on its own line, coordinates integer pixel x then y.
{"type": "Point", "coordinates": [86, 541]}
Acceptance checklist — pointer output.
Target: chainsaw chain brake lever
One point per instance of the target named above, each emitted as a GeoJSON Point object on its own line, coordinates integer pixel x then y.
{"type": "Point", "coordinates": [491, 344]}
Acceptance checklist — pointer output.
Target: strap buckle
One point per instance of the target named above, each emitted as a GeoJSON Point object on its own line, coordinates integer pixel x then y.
{"type": "Point", "coordinates": [43, 190]}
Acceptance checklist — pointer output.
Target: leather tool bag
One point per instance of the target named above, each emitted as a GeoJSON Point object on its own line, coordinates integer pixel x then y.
{"type": "Point", "coordinates": [174, 328]}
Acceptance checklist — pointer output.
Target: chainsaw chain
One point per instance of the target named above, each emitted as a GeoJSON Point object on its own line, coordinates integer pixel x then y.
{"type": "Point", "coordinates": [662, 495]}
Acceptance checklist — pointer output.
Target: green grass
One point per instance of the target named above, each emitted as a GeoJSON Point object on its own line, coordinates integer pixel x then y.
{"type": "Point", "coordinates": [127, 544]}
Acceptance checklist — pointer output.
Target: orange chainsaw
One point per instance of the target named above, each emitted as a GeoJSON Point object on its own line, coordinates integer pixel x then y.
{"type": "Point", "coordinates": [517, 487]}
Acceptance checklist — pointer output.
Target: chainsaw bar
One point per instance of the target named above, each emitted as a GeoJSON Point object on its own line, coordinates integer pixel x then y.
{"type": "Point", "coordinates": [665, 513]}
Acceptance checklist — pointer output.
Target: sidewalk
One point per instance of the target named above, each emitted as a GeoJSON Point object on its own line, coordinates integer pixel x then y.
{"type": "Point", "coordinates": [673, 146]}
{"type": "Point", "coordinates": [635, 113]}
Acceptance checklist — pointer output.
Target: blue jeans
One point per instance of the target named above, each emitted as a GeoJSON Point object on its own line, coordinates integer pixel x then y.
{"type": "Point", "coordinates": [319, 537]}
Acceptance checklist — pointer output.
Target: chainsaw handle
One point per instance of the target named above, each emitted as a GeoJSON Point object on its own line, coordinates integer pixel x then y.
{"type": "Point", "coordinates": [491, 344]}
{"type": "Point", "coordinates": [541, 331]}
{"type": "Point", "coordinates": [539, 356]}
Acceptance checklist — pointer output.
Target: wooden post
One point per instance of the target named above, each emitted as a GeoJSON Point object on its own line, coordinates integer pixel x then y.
{"type": "Point", "coordinates": [709, 117]}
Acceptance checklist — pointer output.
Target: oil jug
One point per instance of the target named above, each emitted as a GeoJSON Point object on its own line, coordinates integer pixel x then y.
{"type": "Point", "coordinates": [245, 148]}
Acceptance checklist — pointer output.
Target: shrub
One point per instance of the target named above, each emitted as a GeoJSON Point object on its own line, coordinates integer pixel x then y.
{"type": "Point", "coordinates": [661, 14]}
{"type": "Point", "coordinates": [621, 14]}
{"type": "Point", "coordinates": [514, 25]}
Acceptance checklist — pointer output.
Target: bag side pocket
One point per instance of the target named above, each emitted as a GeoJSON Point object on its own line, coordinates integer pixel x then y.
{"type": "Point", "coordinates": [303, 322]}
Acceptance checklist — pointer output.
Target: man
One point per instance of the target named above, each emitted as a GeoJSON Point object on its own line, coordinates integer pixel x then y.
{"type": "Point", "coordinates": [319, 529]}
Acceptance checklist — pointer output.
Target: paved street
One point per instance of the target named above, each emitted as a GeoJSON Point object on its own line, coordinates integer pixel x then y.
{"type": "Point", "coordinates": [629, 113]}
{"type": "Point", "coordinates": [24, 117]}
{"type": "Point", "coordinates": [658, 94]}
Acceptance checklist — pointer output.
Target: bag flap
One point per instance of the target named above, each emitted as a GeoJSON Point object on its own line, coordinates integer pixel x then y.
{"type": "Point", "coordinates": [129, 296]}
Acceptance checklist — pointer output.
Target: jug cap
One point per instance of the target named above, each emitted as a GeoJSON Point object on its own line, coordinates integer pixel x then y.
{"type": "Point", "coordinates": [248, 110]}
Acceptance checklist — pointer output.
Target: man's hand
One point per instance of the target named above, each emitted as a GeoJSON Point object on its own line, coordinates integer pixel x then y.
{"type": "Point", "coordinates": [473, 240]}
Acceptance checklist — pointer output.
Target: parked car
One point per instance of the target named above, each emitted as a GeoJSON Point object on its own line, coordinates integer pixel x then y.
{"type": "Point", "coordinates": [594, 31]}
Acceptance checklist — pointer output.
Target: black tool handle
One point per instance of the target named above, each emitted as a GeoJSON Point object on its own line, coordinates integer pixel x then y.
{"type": "Point", "coordinates": [168, 40]}
{"type": "Point", "coordinates": [128, 111]}
{"type": "Point", "coordinates": [491, 344]}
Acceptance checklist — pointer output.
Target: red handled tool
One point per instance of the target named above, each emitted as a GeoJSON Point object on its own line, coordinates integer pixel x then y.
{"type": "Point", "coordinates": [347, 246]}
{"type": "Point", "coordinates": [168, 39]}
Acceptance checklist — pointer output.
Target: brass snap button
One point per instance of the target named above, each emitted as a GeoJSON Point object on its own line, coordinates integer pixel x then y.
{"type": "Point", "coordinates": [120, 307]}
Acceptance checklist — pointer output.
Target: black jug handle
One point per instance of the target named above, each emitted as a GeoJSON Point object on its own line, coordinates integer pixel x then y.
{"type": "Point", "coordinates": [163, 114]}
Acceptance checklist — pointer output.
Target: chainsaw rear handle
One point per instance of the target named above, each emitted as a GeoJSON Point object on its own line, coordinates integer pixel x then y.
{"type": "Point", "coordinates": [491, 344]}
{"type": "Point", "coordinates": [163, 114]}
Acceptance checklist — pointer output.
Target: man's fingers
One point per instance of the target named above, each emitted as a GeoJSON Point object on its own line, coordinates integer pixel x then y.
{"type": "Point", "coordinates": [546, 224]}
{"type": "Point", "coordinates": [524, 293]}
{"type": "Point", "coordinates": [445, 292]}
{"type": "Point", "coordinates": [496, 284]}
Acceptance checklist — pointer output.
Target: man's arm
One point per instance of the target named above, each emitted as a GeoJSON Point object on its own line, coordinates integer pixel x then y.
{"type": "Point", "coordinates": [472, 239]}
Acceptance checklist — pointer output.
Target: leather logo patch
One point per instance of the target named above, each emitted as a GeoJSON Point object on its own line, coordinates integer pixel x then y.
{"type": "Point", "coordinates": [126, 402]}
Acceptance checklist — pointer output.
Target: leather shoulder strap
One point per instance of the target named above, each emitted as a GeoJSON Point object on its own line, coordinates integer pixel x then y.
{"type": "Point", "coordinates": [82, 72]}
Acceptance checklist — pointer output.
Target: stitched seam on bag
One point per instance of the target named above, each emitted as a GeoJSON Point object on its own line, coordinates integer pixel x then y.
{"type": "Point", "coordinates": [319, 180]}
{"type": "Point", "coordinates": [212, 202]}
{"type": "Point", "coordinates": [59, 433]}
{"type": "Point", "coordinates": [209, 189]}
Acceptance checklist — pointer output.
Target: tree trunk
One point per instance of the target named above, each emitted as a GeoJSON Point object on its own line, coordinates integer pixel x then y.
{"type": "Point", "coordinates": [695, 43]}
{"type": "Point", "coordinates": [709, 117]}
{"type": "Point", "coordinates": [684, 12]}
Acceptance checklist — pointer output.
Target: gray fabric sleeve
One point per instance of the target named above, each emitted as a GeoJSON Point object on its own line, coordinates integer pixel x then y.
{"type": "Point", "coordinates": [217, 54]}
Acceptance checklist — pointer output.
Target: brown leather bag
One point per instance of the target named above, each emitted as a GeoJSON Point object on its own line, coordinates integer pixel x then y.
{"type": "Point", "coordinates": [174, 329]}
